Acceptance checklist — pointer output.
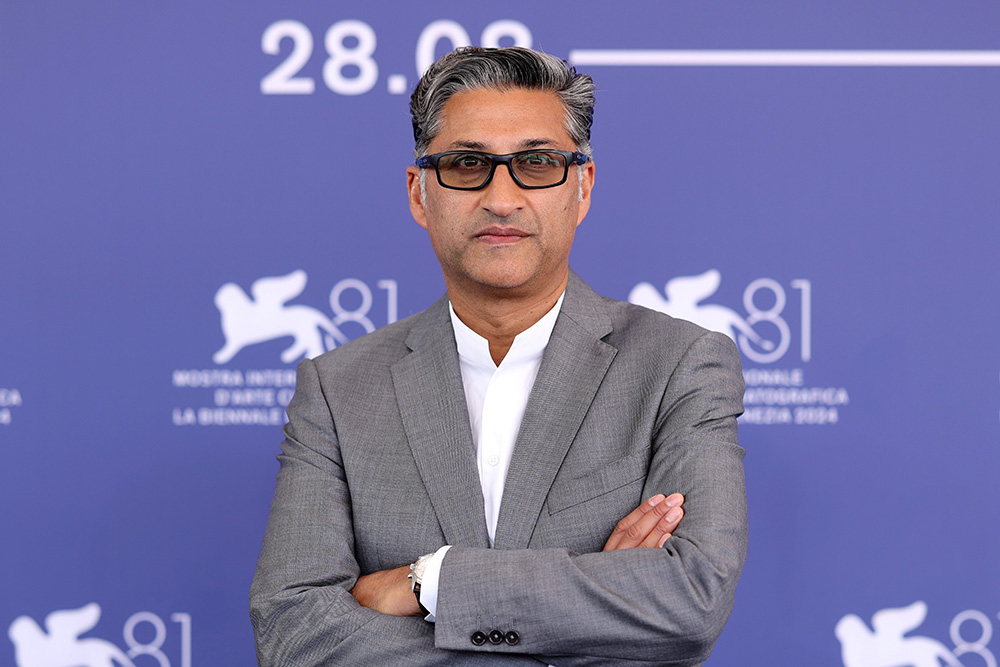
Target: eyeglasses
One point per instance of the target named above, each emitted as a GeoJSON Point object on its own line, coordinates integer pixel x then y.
{"type": "Point", "coordinates": [471, 170]}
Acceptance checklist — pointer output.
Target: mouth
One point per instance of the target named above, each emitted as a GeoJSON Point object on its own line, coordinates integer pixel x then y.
{"type": "Point", "coordinates": [501, 235]}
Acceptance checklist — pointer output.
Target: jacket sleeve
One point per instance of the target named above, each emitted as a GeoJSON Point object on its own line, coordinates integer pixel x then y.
{"type": "Point", "coordinates": [639, 606]}
{"type": "Point", "coordinates": [300, 603]}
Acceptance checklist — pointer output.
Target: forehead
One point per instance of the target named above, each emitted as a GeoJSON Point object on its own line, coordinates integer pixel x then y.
{"type": "Point", "coordinates": [502, 121]}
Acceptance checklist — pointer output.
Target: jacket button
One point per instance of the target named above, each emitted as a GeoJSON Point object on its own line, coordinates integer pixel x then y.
{"type": "Point", "coordinates": [478, 637]}
{"type": "Point", "coordinates": [496, 637]}
{"type": "Point", "coordinates": [512, 638]}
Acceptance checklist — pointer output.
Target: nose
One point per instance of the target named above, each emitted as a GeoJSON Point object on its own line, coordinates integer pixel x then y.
{"type": "Point", "coordinates": [502, 196]}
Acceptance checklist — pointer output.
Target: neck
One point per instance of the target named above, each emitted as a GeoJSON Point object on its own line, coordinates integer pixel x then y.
{"type": "Point", "coordinates": [498, 315]}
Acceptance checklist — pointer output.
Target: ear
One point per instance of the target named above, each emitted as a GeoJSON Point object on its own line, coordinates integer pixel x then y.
{"type": "Point", "coordinates": [414, 192]}
{"type": "Point", "coordinates": [586, 186]}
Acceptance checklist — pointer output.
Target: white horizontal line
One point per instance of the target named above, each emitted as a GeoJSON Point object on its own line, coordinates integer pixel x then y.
{"type": "Point", "coordinates": [725, 58]}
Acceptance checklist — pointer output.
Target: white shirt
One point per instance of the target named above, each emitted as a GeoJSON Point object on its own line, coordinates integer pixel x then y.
{"type": "Point", "coordinates": [497, 397]}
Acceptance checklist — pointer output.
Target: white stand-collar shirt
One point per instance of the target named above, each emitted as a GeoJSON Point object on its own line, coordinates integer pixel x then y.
{"type": "Point", "coordinates": [497, 397]}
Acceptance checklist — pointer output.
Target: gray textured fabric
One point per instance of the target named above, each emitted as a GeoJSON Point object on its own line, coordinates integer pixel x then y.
{"type": "Point", "coordinates": [378, 468]}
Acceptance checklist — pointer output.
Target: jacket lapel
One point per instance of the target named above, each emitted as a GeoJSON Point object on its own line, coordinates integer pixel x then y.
{"type": "Point", "coordinates": [573, 367]}
{"type": "Point", "coordinates": [431, 399]}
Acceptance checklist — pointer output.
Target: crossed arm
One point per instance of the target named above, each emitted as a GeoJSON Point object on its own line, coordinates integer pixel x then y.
{"type": "Point", "coordinates": [636, 606]}
{"type": "Point", "coordinates": [647, 526]}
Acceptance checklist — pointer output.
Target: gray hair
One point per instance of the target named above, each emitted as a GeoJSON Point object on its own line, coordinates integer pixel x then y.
{"type": "Point", "coordinates": [501, 69]}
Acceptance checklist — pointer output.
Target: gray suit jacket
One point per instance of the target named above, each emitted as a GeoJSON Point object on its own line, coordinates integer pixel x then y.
{"type": "Point", "coordinates": [378, 468]}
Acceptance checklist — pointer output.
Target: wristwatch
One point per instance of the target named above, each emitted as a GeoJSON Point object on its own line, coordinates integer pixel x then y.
{"type": "Point", "coordinates": [416, 576]}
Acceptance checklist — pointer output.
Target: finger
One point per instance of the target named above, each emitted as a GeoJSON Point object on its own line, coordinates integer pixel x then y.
{"type": "Point", "coordinates": [651, 527]}
{"type": "Point", "coordinates": [630, 519]}
{"type": "Point", "coordinates": [634, 530]}
{"type": "Point", "coordinates": [668, 524]}
{"type": "Point", "coordinates": [663, 529]}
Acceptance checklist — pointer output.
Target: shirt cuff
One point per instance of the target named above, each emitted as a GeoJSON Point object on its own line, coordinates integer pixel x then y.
{"type": "Point", "coordinates": [429, 584]}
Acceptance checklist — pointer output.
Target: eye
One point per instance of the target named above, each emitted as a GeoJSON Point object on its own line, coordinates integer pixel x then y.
{"type": "Point", "coordinates": [466, 161]}
{"type": "Point", "coordinates": [539, 161]}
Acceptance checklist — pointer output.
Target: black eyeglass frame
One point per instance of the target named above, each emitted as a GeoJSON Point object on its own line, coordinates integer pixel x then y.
{"type": "Point", "coordinates": [570, 158]}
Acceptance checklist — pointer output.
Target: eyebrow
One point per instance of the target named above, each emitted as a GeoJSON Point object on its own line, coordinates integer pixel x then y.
{"type": "Point", "coordinates": [526, 144]}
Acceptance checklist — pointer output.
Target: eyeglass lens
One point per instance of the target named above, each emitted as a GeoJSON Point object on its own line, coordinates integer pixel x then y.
{"type": "Point", "coordinates": [470, 170]}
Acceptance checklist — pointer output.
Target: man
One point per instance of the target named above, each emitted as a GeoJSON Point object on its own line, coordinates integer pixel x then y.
{"type": "Point", "coordinates": [553, 476]}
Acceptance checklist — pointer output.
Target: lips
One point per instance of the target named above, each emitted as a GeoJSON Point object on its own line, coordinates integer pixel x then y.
{"type": "Point", "coordinates": [498, 234]}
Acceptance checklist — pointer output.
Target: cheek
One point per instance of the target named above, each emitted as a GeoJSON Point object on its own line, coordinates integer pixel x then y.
{"type": "Point", "coordinates": [444, 237]}
{"type": "Point", "coordinates": [446, 211]}
{"type": "Point", "coordinates": [561, 209]}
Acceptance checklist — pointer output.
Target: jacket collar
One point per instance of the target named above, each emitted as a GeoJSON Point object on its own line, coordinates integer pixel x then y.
{"type": "Point", "coordinates": [431, 399]}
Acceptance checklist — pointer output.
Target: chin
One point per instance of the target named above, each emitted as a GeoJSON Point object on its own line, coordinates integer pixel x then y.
{"type": "Point", "coordinates": [503, 276]}
{"type": "Point", "coordinates": [502, 283]}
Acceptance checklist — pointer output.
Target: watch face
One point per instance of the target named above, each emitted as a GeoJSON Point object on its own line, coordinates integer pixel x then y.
{"type": "Point", "coordinates": [418, 568]}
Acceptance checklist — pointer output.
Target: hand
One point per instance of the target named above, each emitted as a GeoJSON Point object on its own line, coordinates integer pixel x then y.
{"type": "Point", "coordinates": [648, 525]}
{"type": "Point", "coordinates": [387, 592]}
